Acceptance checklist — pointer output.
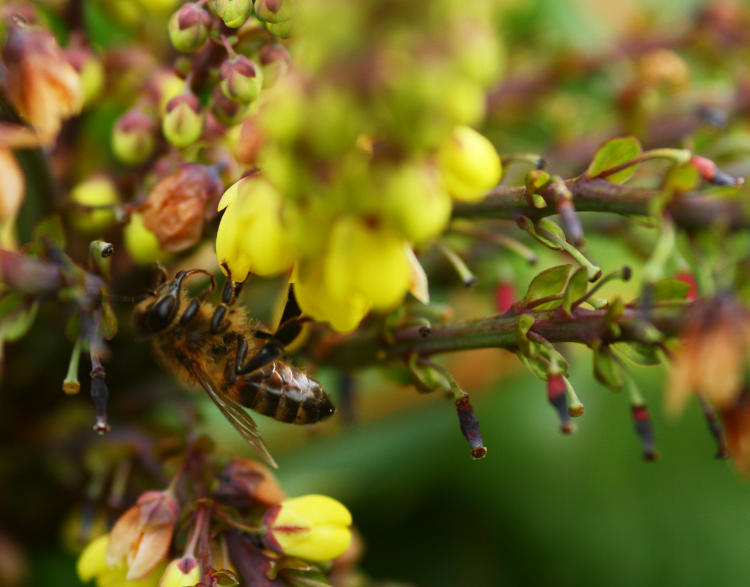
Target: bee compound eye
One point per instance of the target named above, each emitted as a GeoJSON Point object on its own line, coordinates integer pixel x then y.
{"type": "Point", "coordinates": [161, 313]}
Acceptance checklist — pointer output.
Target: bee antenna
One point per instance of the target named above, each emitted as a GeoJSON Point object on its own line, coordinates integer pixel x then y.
{"type": "Point", "coordinates": [125, 299]}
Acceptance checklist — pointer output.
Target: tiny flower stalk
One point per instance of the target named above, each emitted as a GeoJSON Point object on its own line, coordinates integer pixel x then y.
{"type": "Point", "coordinates": [469, 424]}
{"type": "Point", "coordinates": [575, 406]}
{"type": "Point", "coordinates": [715, 428]}
{"type": "Point", "coordinates": [557, 396]}
{"type": "Point", "coordinates": [312, 527]}
{"type": "Point", "coordinates": [564, 202]}
{"type": "Point", "coordinates": [458, 264]}
{"type": "Point", "coordinates": [71, 385]}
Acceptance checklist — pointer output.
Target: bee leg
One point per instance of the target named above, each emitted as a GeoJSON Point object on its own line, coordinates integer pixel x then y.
{"type": "Point", "coordinates": [268, 353]}
{"type": "Point", "coordinates": [291, 322]}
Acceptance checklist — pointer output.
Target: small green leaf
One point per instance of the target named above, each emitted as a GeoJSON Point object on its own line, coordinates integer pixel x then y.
{"type": "Point", "coordinates": [637, 352]}
{"type": "Point", "coordinates": [527, 225]}
{"type": "Point", "coordinates": [606, 368]}
{"type": "Point", "coordinates": [613, 153]}
{"type": "Point", "coordinates": [550, 282]}
{"type": "Point", "coordinates": [575, 289]}
{"type": "Point", "coordinates": [525, 346]}
{"type": "Point", "coordinates": [535, 364]}
{"type": "Point", "coordinates": [552, 228]}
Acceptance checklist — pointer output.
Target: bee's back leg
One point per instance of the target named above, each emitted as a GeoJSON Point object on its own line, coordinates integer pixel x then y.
{"type": "Point", "coordinates": [289, 329]}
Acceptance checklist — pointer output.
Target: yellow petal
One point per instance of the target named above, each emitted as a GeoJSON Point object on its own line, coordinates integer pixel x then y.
{"type": "Point", "coordinates": [469, 164]}
{"type": "Point", "coordinates": [92, 561]}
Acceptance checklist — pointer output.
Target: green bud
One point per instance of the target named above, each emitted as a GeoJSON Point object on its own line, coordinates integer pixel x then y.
{"type": "Point", "coordinates": [225, 110]}
{"type": "Point", "coordinates": [274, 11]}
{"type": "Point", "coordinates": [183, 122]}
{"type": "Point", "coordinates": [283, 29]}
{"type": "Point", "coordinates": [188, 27]}
{"type": "Point", "coordinates": [234, 13]}
{"type": "Point", "coordinates": [240, 79]}
{"type": "Point", "coordinates": [133, 137]}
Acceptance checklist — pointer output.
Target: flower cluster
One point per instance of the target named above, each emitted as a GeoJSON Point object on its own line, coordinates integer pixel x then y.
{"type": "Point", "coordinates": [244, 529]}
{"type": "Point", "coordinates": [354, 176]}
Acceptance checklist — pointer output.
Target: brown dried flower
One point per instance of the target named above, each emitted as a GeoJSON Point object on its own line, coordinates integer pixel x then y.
{"type": "Point", "coordinates": [714, 353]}
{"type": "Point", "coordinates": [179, 204]}
{"type": "Point", "coordinates": [143, 534]}
{"type": "Point", "coordinates": [41, 84]}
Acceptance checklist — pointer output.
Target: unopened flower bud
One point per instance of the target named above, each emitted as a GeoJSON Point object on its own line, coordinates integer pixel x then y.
{"type": "Point", "coordinates": [240, 79]}
{"type": "Point", "coordinates": [275, 60]}
{"type": "Point", "coordinates": [243, 478]}
{"type": "Point", "coordinates": [181, 572]}
{"type": "Point", "coordinates": [188, 27]}
{"type": "Point", "coordinates": [141, 243]}
{"type": "Point", "coordinates": [469, 164]}
{"type": "Point", "coordinates": [311, 527]}
{"type": "Point", "coordinates": [133, 137]}
{"type": "Point", "coordinates": [97, 196]}
{"type": "Point", "coordinates": [225, 110]}
{"type": "Point", "coordinates": [183, 120]}
{"type": "Point", "coordinates": [234, 13]}
{"type": "Point", "coordinates": [274, 10]}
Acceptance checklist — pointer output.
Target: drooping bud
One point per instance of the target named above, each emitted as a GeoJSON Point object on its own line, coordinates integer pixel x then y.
{"type": "Point", "coordinates": [558, 397]}
{"type": "Point", "coordinates": [469, 164]}
{"type": "Point", "coordinates": [311, 527]}
{"type": "Point", "coordinates": [643, 428]}
{"type": "Point", "coordinates": [133, 137]}
{"type": "Point", "coordinates": [225, 110]}
{"type": "Point", "coordinates": [188, 27]}
{"type": "Point", "coordinates": [275, 61]}
{"type": "Point", "coordinates": [234, 13]}
{"type": "Point", "coordinates": [469, 423]}
{"type": "Point", "coordinates": [183, 120]}
{"type": "Point", "coordinates": [240, 79]}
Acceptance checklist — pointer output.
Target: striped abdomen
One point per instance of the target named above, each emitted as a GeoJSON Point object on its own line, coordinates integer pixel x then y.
{"type": "Point", "coordinates": [283, 393]}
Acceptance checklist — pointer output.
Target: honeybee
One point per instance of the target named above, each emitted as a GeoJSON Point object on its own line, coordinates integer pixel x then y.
{"type": "Point", "coordinates": [230, 356]}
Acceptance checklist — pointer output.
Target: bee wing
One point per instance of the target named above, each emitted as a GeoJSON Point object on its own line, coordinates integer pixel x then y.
{"type": "Point", "coordinates": [235, 413]}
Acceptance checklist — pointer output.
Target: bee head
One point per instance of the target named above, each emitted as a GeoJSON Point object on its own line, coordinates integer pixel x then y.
{"type": "Point", "coordinates": [158, 310]}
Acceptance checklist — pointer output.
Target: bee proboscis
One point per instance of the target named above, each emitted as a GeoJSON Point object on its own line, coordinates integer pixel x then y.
{"type": "Point", "coordinates": [232, 358]}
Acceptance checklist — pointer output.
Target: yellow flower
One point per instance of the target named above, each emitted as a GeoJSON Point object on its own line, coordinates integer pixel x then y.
{"type": "Point", "coordinates": [181, 572]}
{"type": "Point", "coordinates": [368, 258]}
{"type": "Point", "coordinates": [311, 527]}
{"type": "Point", "coordinates": [469, 164]}
{"type": "Point", "coordinates": [92, 564]}
{"type": "Point", "coordinates": [344, 313]}
{"type": "Point", "coordinates": [251, 236]}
